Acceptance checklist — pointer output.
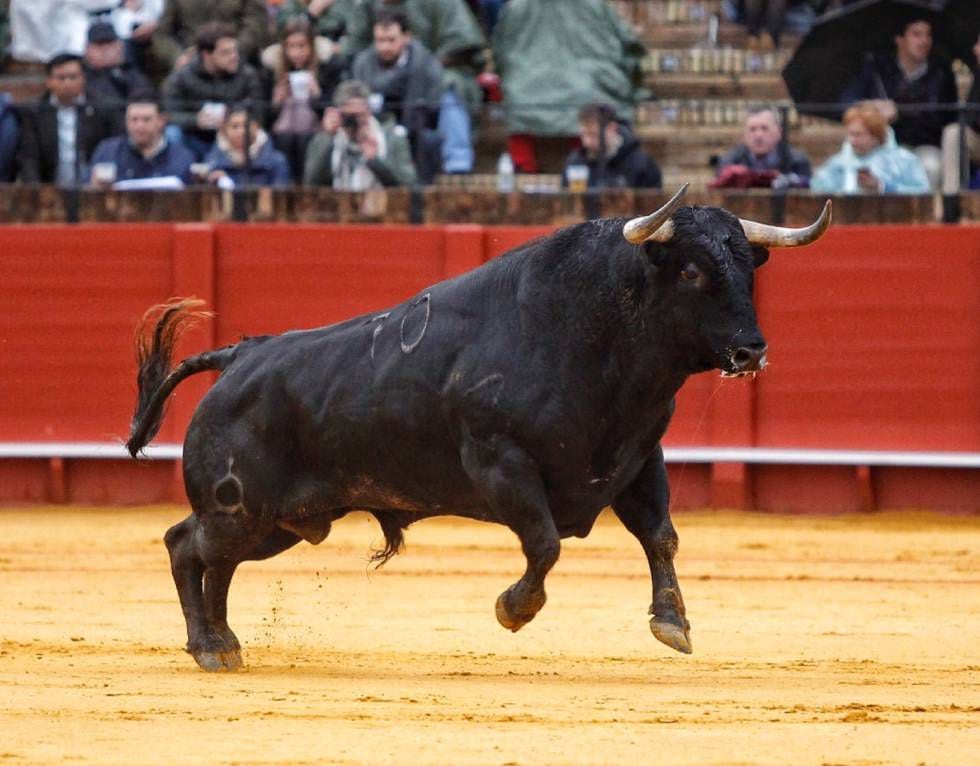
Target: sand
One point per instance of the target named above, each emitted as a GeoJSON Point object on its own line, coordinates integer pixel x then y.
{"type": "Point", "coordinates": [834, 640]}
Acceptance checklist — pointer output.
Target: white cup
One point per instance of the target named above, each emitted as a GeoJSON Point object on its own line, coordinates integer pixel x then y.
{"type": "Point", "coordinates": [200, 171]}
{"type": "Point", "coordinates": [578, 178]}
{"type": "Point", "coordinates": [299, 85]}
{"type": "Point", "coordinates": [104, 172]}
{"type": "Point", "coordinates": [215, 109]}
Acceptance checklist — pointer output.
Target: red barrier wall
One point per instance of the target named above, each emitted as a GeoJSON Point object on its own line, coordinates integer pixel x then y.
{"type": "Point", "coordinates": [873, 333]}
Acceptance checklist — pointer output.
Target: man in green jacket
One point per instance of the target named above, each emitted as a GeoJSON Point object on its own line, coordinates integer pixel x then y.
{"type": "Point", "coordinates": [448, 28]}
{"type": "Point", "coordinates": [329, 18]}
{"type": "Point", "coordinates": [553, 57]}
{"type": "Point", "coordinates": [173, 39]}
{"type": "Point", "coordinates": [355, 152]}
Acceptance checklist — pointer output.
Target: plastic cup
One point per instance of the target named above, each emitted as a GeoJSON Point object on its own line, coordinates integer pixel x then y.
{"type": "Point", "coordinates": [578, 178]}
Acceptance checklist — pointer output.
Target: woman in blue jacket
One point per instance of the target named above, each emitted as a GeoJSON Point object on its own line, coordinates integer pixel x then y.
{"type": "Point", "coordinates": [266, 165]}
{"type": "Point", "coordinates": [870, 161]}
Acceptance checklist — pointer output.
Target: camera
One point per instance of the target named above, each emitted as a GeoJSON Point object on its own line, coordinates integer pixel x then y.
{"type": "Point", "coordinates": [349, 123]}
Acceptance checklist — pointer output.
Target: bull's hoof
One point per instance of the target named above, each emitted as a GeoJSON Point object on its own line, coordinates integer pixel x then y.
{"type": "Point", "coordinates": [214, 662]}
{"type": "Point", "coordinates": [506, 615]}
{"type": "Point", "coordinates": [674, 636]}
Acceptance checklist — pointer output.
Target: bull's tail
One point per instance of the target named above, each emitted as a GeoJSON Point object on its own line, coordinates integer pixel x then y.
{"type": "Point", "coordinates": [156, 337]}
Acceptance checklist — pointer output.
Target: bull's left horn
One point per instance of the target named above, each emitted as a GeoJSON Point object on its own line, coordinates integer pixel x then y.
{"type": "Point", "coordinates": [778, 236]}
{"type": "Point", "coordinates": [656, 227]}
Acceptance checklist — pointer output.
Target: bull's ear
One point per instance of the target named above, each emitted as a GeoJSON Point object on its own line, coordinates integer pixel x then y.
{"type": "Point", "coordinates": [760, 255]}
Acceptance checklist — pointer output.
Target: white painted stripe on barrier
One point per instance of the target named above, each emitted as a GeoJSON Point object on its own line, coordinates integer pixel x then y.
{"type": "Point", "coordinates": [85, 450]}
{"type": "Point", "coordinates": [821, 457]}
{"type": "Point", "coordinates": [671, 454]}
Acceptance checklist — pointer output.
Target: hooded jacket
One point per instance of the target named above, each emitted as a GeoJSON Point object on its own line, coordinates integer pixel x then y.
{"type": "Point", "coordinates": [899, 170]}
{"type": "Point", "coordinates": [553, 56]}
{"type": "Point", "coordinates": [630, 167]}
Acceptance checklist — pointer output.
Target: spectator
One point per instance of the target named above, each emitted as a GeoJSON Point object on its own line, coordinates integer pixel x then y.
{"type": "Point", "coordinates": [407, 83]}
{"type": "Point", "coordinates": [624, 165]}
{"type": "Point", "coordinates": [196, 95]}
{"type": "Point", "coordinates": [60, 132]}
{"type": "Point", "coordinates": [9, 138]}
{"type": "Point", "coordinates": [451, 32]}
{"type": "Point", "coordinates": [870, 161]}
{"type": "Point", "coordinates": [489, 12]}
{"type": "Point", "coordinates": [303, 82]}
{"type": "Point", "coordinates": [264, 166]}
{"type": "Point", "coordinates": [175, 35]}
{"type": "Point", "coordinates": [764, 13]}
{"type": "Point", "coordinates": [135, 21]}
{"type": "Point", "coordinates": [553, 57]}
{"type": "Point", "coordinates": [913, 75]}
{"type": "Point", "coordinates": [144, 151]}
{"type": "Point", "coordinates": [355, 152]}
{"type": "Point", "coordinates": [109, 80]}
{"type": "Point", "coordinates": [43, 29]}
{"type": "Point", "coordinates": [764, 159]}
{"type": "Point", "coordinates": [951, 145]}
{"type": "Point", "coordinates": [4, 29]}
{"type": "Point", "coordinates": [330, 19]}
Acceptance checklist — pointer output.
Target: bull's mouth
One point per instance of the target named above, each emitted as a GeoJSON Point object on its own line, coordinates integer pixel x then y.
{"type": "Point", "coordinates": [740, 374]}
{"type": "Point", "coordinates": [745, 362]}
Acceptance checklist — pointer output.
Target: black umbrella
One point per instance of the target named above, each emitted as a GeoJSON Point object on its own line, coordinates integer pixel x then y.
{"type": "Point", "coordinates": [832, 54]}
{"type": "Point", "coordinates": [961, 19]}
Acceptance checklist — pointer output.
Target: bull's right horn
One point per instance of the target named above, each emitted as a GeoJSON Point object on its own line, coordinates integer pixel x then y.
{"type": "Point", "coordinates": [656, 227]}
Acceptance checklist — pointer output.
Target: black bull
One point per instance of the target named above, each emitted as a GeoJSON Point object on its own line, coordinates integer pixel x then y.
{"type": "Point", "coordinates": [533, 392]}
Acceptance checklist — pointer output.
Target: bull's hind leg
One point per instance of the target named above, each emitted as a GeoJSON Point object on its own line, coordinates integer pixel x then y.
{"type": "Point", "coordinates": [204, 553]}
{"type": "Point", "coordinates": [222, 651]}
{"type": "Point", "coordinates": [511, 483]}
{"type": "Point", "coordinates": [643, 510]}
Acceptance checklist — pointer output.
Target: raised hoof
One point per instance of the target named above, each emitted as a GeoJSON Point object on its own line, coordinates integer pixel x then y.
{"type": "Point", "coordinates": [504, 618]}
{"type": "Point", "coordinates": [674, 636]}
{"type": "Point", "coordinates": [214, 662]}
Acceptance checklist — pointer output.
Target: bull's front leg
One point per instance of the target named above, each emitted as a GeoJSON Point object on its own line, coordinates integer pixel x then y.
{"type": "Point", "coordinates": [642, 508]}
{"type": "Point", "coordinates": [511, 483]}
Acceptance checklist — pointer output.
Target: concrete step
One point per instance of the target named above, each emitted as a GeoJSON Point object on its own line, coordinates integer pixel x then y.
{"type": "Point", "coordinates": [762, 86]}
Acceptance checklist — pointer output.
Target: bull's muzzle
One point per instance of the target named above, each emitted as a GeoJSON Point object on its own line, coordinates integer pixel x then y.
{"type": "Point", "coordinates": [746, 360]}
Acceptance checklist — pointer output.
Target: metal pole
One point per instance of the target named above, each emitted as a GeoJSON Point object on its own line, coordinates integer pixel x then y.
{"type": "Point", "coordinates": [73, 193]}
{"type": "Point", "coordinates": [239, 210]}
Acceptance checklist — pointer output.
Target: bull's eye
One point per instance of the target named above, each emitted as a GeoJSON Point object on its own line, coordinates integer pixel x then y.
{"type": "Point", "coordinates": [691, 273]}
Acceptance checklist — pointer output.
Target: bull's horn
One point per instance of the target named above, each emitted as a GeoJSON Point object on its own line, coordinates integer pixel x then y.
{"type": "Point", "coordinates": [778, 236]}
{"type": "Point", "coordinates": [657, 226]}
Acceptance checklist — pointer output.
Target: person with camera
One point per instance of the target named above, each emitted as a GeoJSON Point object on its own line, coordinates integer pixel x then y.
{"type": "Point", "coordinates": [355, 152]}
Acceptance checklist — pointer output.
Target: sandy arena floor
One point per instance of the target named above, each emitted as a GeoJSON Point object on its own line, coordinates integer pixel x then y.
{"type": "Point", "coordinates": [852, 640]}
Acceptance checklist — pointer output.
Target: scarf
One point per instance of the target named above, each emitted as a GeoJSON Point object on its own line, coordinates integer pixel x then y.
{"type": "Point", "coordinates": [236, 156]}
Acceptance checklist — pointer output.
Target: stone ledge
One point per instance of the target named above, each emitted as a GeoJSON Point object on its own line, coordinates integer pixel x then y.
{"type": "Point", "coordinates": [456, 204]}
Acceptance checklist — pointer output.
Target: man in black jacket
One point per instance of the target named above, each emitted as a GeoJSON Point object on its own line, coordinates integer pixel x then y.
{"type": "Point", "coordinates": [109, 80]}
{"type": "Point", "coordinates": [913, 76]}
{"type": "Point", "coordinates": [59, 134]}
{"type": "Point", "coordinates": [196, 95]}
{"type": "Point", "coordinates": [610, 155]}
{"type": "Point", "coordinates": [764, 159]}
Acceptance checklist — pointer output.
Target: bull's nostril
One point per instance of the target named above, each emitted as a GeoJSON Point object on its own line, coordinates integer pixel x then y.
{"type": "Point", "coordinates": [742, 358]}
